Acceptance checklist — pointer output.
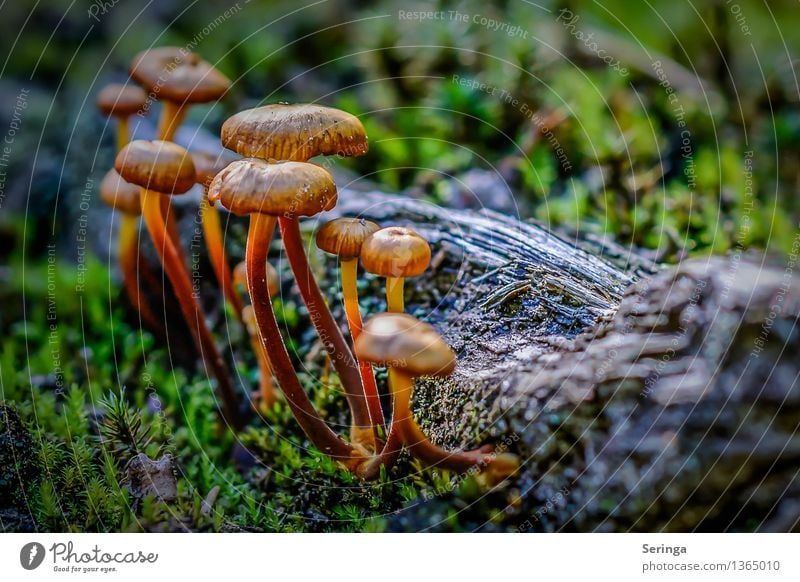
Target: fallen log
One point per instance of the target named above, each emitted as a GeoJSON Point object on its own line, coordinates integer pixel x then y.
{"type": "Point", "coordinates": [640, 398]}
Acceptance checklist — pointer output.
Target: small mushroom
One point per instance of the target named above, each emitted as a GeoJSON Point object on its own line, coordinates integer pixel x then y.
{"type": "Point", "coordinates": [121, 101]}
{"type": "Point", "coordinates": [395, 253]}
{"type": "Point", "coordinates": [164, 168]}
{"type": "Point", "coordinates": [266, 395]}
{"type": "Point", "coordinates": [343, 237]}
{"type": "Point", "coordinates": [410, 349]}
{"type": "Point", "coordinates": [206, 167]}
{"type": "Point", "coordinates": [178, 78]}
{"type": "Point", "coordinates": [263, 191]}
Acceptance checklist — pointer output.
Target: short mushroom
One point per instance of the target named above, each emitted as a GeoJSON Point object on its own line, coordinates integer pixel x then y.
{"type": "Point", "coordinates": [177, 77]}
{"type": "Point", "coordinates": [266, 395]}
{"type": "Point", "coordinates": [125, 198]}
{"type": "Point", "coordinates": [264, 191]}
{"type": "Point", "coordinates": [164, 169]}
{"type": "Point", "coordinates": [411, 348]}
{"type": "Point", "coordinates": [395, 253]}
{"type": "Point", "coordinates": [343, 237]}
{"type": "Point", "coordinates": [206, 167]}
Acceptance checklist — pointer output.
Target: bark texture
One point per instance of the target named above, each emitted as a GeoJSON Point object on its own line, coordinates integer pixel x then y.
{"type": "Point", "coordinates": [640, 397]}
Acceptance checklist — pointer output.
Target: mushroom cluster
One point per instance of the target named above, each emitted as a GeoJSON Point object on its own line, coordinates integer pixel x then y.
{"type": "Point", "coordinates": [275, 184]}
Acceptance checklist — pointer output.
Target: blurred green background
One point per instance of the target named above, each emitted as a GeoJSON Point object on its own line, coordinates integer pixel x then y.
{"type": "Point", "coordinates": [615, 160]}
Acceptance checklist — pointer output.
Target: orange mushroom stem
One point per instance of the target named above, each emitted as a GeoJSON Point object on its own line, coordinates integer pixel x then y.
{"type": "Point", "coordinates": [207, 166]}
{"type": "Point", "coordinates": [267, 395]}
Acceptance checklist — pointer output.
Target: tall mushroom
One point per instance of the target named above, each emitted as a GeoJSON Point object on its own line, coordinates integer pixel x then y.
{"type": "Point", "coordinates": [125, 198]}
{"type": "Point", "coordinates": [264, 191]}
{"type": "Point", "coordinates": [395, 253]}
{"type": "Point", "coordinates": [206, 167]}
{"type": "Point", "coordinates": [298, 133]}
{"type": "Point", "coordinates": [163, 168]}
{"type": "Point", "coordinates": [266, 395]}
{"type": "Point", "coordinates": [178, 78]}
{"type": "Point", "coordinates": [343, 237]}
{"type": "Point", "coordinates": [411, 348]}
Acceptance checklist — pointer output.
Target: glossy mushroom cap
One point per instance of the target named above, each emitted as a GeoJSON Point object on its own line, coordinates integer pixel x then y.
{"type": "Point", "coordinates": [403, 342]}
{"type": "Point", "coordinates": [119, 194]}
{"type": "Point", "coordinates": [160, 166]}
{"type": "Point", "coordinates": [178, 75]}
{"type": "Point", "coordinates": [207, 165]}
{"type": "Point", "coordinates": [294, 132]}
{"type": "Point", "coordinates": [273, 281]}
{"type": "Point", "coordinates": [396, 252]}
{"type": "Point", "coordinates": [121, 100]}
{"type": "Point", "coordinates": [288, 189]}
{"type": "Point", "coordinates": [345, 236]}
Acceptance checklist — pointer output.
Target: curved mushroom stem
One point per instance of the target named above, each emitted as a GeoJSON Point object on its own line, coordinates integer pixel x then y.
{"type": "Point", "coordinates": [412, 436]}
{"type": "Point", "coordinates": [176, 271]}
{"type": "Point", "coordinates": [212, 230]}
{"type": "Point", "coordinates": [351, 308]}
{"type": "Point", "coordinates": [394, 294]}
{"type": "Point", "coordinates": [260, 232]}
{"type": "Point", "coordinates": [128, 262]}
{"type": "Point", "coordinates": [362, 431]}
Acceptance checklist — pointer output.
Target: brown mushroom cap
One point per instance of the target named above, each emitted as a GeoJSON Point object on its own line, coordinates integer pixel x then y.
{"type": "Point", "coordinates": [287, 188]}
{"type": "Point", "coordinates": [273, 281]}
{"type": "Point", "coordinates": [294, 132]}
{"type": "Point", "coordinates": [207, 165]}
{"type": "Point", "coordinates": [161, 166]}
{"type": "Point", "coordinates": [345, 236]}
{"type": "Point", "coordinates": [396, 252]}
{"type": "Point", "coordinates": [403, 342]}
{"type": "Point", "coordinates": [119, 194]}
{"type": "Point", "coordinates": [121, 100]}
{"type": "Point", "coordinates": [178, 75]}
